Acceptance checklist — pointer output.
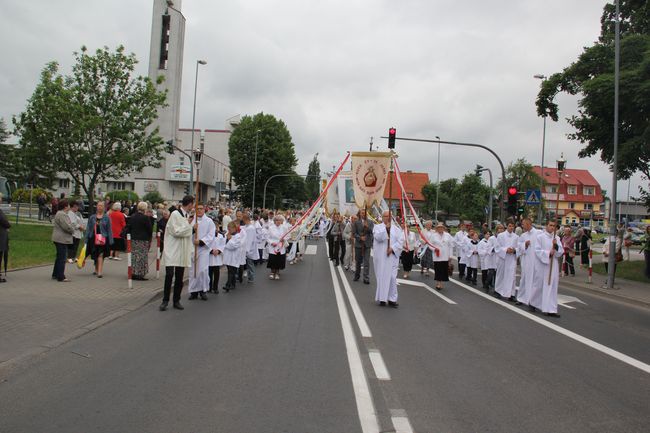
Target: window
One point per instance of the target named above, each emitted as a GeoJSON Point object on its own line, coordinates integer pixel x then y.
{"type": "Point", "coordinates": [120, 186]}
{"type": "Point", "coordinates": [64, 183]}
{"type": "Point", "coordinates": [589, 190]}
{"type": "Point", "coordinates": [572, 205]}
{"type": "Point", "coordinates": [164, 41]}
{"type": "Point", "coordinates": [409, 195]}
{"type": "Point", "coordinates": [551, 188]}
{"type": "Point", "coordinates": [589, 206]}
{"type": "Point", "coordinates": [572, 190]}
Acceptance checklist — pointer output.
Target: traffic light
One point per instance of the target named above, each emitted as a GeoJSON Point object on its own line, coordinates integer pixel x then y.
{"type": "Point", "coordinates": [512, 200]}
{"type": "Point", "coordinates": [170, 146]}
{"type": "Point", "coordinates": [187, 189]}
{"type": "Point", "coordinates": [478, 170]}
{"type": "Point", "coordinates": [391, 138]}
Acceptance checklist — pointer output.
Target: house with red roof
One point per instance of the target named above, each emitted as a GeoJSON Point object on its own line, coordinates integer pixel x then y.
{"type": "Point", "coordinates": [574, 198]}
{"type": "Point", "coordinates": [413, 183]}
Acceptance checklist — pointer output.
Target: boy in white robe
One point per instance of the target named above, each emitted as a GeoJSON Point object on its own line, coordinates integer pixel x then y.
{"type": "Point", "coordinates": [387, 250]}
{"type": "Point", "coordinates": [506, 251]}
{"type": "Point", "coordinates": [232, 254]}
{"type": "Point", "coordinates": [526, 253]}
{"type": "Point", "coordinates": [486, 258]}
{"type": "Point", "coordinates": [202, 238]}
{"type": "Point", "coordinates": [252, 255]}
{"type": "Point", "coordinates": [460, 238]}
{"type": "Point", "coordinates": [216, 260]}
{"type": "Point", "coordinates": [549, 252]}
{"type": "Point", "coordinates": [471, 255]}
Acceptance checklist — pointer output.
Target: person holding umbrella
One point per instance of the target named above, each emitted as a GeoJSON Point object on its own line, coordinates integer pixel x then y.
{"type": "Point", "coordinates": [4, 242]}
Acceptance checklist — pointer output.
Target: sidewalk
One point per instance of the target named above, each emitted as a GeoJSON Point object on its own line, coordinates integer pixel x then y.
{"type": "Point", "coordinates": [38, 314]}
{"type": "Point", "coordinates": [632, 292]}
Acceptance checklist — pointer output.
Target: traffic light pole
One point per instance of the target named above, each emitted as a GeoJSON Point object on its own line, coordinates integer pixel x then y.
{"type": "Point", "coordinates": [478, 171]}
{"type": "Point", "coordinates": [455, 143]}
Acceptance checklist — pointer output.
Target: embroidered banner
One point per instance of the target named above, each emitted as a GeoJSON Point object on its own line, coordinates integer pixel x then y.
{"type": "Point", "coordinates": [369, 173]}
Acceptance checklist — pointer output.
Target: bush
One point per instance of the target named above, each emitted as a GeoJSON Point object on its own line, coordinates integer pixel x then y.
{"type": "Point", "coordinates": [153, 197]}
{"type": "Point", "coordinates": [123, 196]}
{"type": "Point", "coordinates": [21, 195]}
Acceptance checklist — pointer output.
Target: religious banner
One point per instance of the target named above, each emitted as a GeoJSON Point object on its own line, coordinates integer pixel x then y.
{"type": "Point", "coordinates": [347, 205]}
{"type": "Point", "coordinates": [369, 173]}
{"type": "Point", "coordinates": [332, 197]}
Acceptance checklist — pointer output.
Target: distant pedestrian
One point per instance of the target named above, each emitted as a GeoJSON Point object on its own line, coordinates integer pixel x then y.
{"type": "Point", "coordinates": [362, 233]}
{"type": "Point", "coordinates": [139, 227]}
{"type": "Point", "coordinates": [178, 252]}
{"type": "Point", "coordinates": [568, 244]}
{"type": "Point", "coordinates": [627, 242]}
{"type": "Point", "coordinates": [78, 222]}
{"type": "Point", "coordinates": [99, 238]}
{"type": "Point", "coordinates": [618, 254]}
{"type": "Point", "coordinates": [118, 222]}
{"type": "Point", "coordinates": [585, 247]}
{"type": "Point", "coordinates": [62, 230]}
{"type": "Point", "coordinates": [4, 242]}
{"type": "Point", "coordinates": [41, 201]}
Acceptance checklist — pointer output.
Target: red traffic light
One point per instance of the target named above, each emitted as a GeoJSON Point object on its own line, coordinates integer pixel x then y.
{"type": "Point", "coordinates": [512, 190]}
{"type": "Point", "coordinates": [392, 131]}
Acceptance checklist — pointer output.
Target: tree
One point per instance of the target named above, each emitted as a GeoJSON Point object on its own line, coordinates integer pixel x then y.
{"type": "Point", "coordinates": [592, 77]}
{"type": "Point", "coordinates": [312, 182]}
{"type": "Point", "coordinates": [474, 197]}
{"type": "Point", "coordinates": [275, 155]}
{"type": "Point", "coordinates": [94, 124]}
{"type": "Point", "coordinates": [447, 204]}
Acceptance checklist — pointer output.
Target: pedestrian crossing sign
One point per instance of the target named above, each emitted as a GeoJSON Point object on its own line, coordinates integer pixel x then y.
{"type": "Point", "coordinates": [533, 196]}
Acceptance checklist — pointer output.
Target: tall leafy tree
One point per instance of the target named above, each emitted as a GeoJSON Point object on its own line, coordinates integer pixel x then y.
{"type": "Point", "coordinates": [592, 77]}
{"type": "Point", "coordinates": [312, 182]}
{"type": "Point", "coordinates": [474, 196]}
{"type": "Point", "coordinates": [275, 155]}
{"type": "Point", "coordinates": [94, 124]}
{"type": "Point", "coordinates": [447, 204]}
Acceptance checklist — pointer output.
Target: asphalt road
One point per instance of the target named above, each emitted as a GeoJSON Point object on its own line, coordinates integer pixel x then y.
{"type": "Point", "coordinates": [295, 356]}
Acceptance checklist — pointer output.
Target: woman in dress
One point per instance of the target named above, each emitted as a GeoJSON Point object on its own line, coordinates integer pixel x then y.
{"type": "Point", "coordinates": [276, 247]}
{"type": "Point", "coordinates": [140, 228]}
{"type": "Point", "coordinates": [118, 222]}
{"type": "Point", "coordinates": [99, 238]}
{"type": "Point", "coordinates": [426, 261]}
{"type": "Point", "coordinates": [411, 244]}
{"type": "Point", "coordinates": [443, 245]}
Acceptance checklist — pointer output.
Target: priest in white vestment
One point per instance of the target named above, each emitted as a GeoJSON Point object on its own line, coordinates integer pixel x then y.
{"type": "Point", "coordinates": [204, 230]}
{"type": "Point", "coordinates": [506, 253]}
{"type": "Point", "coordinates": [388, 240]}
{"type": "Point", "coordinates": [549, 251]}
{"type": "Point", "coordinates": [526, 253]}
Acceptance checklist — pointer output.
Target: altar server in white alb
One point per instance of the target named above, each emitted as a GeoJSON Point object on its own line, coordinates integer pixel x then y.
{"type": "Point", "coordinates": [252, 254]}
{"type": "Point", "coordinates": [202, 238]}
{"type": "Point", "coordinates": [527, 259]}
{"type": "Point", "coordinates": [388, 240]}
{"type": "Point", "coordinates": [549, 251]}
{"type": "Point", "coordinates": [506, 252]}
{"type": "Point", "coordinates": [216, 259]}
{"type": "Point", "coordinates": [460, 239]}
{"type": "Point", "coordinates": [486, 259]}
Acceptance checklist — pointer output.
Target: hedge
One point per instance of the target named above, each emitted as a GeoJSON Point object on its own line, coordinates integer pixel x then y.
{"type": "Point", "coordinates": [21, 195]}
{"type": "Point", "coordinates": [122, 195]}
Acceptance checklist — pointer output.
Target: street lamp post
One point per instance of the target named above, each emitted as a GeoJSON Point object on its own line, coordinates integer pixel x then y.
{"type": "Point", "coordinates": [196, 80]}
{"type": "Point", "coordinates": [561, 165]}
{"type": "Point", "coordinates": [437, 181]}
{"type": "Point", "coordinates": [539, 214]}
{"type": "Point", "coordinates": [257, 136]}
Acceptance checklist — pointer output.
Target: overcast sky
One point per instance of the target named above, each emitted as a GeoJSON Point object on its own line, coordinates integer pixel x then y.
{"type": "Point", "coordinates": [338, 72]}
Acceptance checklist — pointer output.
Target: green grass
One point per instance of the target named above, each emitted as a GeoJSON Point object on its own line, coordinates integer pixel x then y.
{"type": "Point", "coordinates": [629, 270]}
{"type": "Point", "coordinates": [30, 245]}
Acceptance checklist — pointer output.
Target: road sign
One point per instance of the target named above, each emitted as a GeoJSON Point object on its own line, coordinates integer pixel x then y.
{"type": "Point", "coordinates": [533, 196]}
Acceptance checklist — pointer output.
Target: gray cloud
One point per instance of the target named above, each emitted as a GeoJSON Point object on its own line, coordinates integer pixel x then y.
{"type": "Point", "coordinates": [338, 72]}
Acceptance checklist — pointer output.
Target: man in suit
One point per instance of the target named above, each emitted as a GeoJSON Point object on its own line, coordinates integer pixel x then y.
{"type": "Point", "coordinates": [362, 234]}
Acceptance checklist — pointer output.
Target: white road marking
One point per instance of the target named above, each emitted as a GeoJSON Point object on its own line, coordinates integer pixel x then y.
{"type": "Point", "coordinates": [563, 300]}
{"type": "Point", "coordinates": [381, 372]}
{"type": "Point", "coordinates": [577, 337]}
{"type": "Point", "coordinates": [421, 284]}
{"type": "Point", "coordinates": [358, 315]}
{"type": "Point", "coordinates": [401, 424]}
{"type": "Point", "coordinates": [362, 395]}
{"type": "Point", "coordinates": [311, 250]}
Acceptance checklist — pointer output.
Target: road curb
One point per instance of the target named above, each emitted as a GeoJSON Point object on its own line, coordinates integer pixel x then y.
{"type": "Point", "coordinates": [8, 365]}
{"type": "Point", "coordinates": [607, 293]}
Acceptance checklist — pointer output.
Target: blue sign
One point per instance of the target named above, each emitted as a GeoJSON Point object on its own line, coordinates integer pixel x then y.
{"type": "Point", "coordinates": [533, 197]}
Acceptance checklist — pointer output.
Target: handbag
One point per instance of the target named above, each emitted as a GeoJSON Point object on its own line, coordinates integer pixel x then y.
{"type": "Point", "coordinates": [619, 256]}
{"type": "Point", "coordinates": [100, 239]}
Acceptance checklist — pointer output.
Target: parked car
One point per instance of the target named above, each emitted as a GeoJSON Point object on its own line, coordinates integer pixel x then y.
{"type": "Point", "coordinates": [452, 223]}
{"type": "Point", "coordinates": [637, 239]}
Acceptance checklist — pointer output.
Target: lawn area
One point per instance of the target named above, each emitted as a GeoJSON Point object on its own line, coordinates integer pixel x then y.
{"type": "Point", "coordinates": [630, 270]}
{"type": "Point", "coordinates": [30, 245]}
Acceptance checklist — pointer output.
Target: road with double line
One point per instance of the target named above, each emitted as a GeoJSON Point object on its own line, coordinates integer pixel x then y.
{"type": "Point", "coordinates": [313, 352]}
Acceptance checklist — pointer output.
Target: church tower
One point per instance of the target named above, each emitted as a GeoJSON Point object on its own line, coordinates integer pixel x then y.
{"type": "Point", "coordinates": [166, 59]}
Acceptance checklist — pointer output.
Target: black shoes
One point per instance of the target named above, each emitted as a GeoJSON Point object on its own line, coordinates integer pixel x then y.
{"type": "Point", "coordinates": [382, 304]}
{"type": "Point", "coordinates": [518, 303]}
{"type": "Point", "coordinates": [203, 296]}
{"type": "Point", "coordinates": [512, 299]}
{"type": "Point", "coordinates": [193, 296]}
{"type": "Point", "coordinates": [393, 304]}
{"type": "Point", "coordinates": [356, 278]}
{"type": "Point", "coordinates": [551, 314]}
{"type": "Point", "coordinates": [163, 306]}
{"type": "Point", "coordinates": [178, 306]}
{"type": "Point", "coordinates": [366, 281]}
{"type": "Point", "coordinates": [532, 309]}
